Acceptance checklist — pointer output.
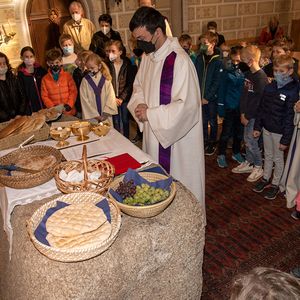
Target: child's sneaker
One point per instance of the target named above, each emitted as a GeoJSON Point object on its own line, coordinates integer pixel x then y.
{"type": "Point", "coordinates": [244, 167]}
{"type": "Point", "coordinates": [261, 185]}
{"type": "Point", "coordinates": [210, 150]}
{"type": "Point", "coordinates": [271, 192]}
{"type": "Point", "coordinates": [257, 173]}
{"type": "Point", "coordinates": [221, 160]}
{"type": "Point", "coordinates": [296, 215]}
{"type": "Point", "coordinates": [238, 158]}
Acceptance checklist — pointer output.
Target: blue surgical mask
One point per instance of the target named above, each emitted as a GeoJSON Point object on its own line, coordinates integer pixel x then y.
{"type": "Point", "coordinates": [68, 50]}
{"type": "Point", "coordinates": [282, 79]}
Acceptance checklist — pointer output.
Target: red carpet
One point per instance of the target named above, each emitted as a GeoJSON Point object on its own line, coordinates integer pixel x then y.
{"type": "Point", "coordinates": [244, 231]}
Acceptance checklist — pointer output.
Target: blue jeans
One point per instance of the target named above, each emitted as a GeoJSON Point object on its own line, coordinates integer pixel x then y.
{"type": "Point", "coordinates": [122, 119]}
{"type": "Point", "coordinates": [209, 113]}
{"type": "Point", "coordinates": [253, 155]}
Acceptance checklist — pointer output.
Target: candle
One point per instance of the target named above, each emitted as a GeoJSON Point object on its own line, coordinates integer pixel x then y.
{"type": "Point", "coordinates": [3, 28]}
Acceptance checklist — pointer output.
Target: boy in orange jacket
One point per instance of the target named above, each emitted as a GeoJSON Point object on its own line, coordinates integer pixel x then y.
{"type": "Point", "coordinates": [58, 86]}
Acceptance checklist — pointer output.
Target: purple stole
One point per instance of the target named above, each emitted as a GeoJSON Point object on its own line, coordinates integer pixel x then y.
{"type": "Point", "coordinates": [166, 82]}
{"type": "Point", "coordinates": [97, 90]}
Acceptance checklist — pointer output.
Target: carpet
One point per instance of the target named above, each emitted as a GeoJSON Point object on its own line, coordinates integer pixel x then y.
{"type": "Point", "coordinates": [244, 231]}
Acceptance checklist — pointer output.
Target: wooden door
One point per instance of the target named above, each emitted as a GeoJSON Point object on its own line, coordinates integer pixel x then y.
{"type": "Point", "coordinates": [44, 33]}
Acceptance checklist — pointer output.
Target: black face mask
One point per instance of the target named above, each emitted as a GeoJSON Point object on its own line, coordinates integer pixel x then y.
{"type": "Point", "coordinates": [147, 47]}
{"type": "Point", "coordinates": [138, 52]}
{"type": "Point", "coordinates": [55, 68]}
{"type": "Point", "coordinates": [243, 67]}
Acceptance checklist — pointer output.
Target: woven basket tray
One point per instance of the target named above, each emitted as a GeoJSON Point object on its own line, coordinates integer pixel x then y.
{"type": "Point", "coordinates": [146, 211]}
{"type": "Point", "coordinates": [73, 255]}
{"type": "Point", "coordinates": [28, 180]}
{"type": "Point", "coordinates": [98, 186]}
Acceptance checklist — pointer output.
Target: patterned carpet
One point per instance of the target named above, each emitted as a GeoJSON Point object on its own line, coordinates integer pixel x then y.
{"type": "Point", "coordinates": [244, 231]}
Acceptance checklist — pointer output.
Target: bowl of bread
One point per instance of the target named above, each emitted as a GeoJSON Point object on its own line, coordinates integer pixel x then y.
{"type": "Point", "coordinates": [101, 129]}
{"type": "Point", "coordinates": [35, 165]}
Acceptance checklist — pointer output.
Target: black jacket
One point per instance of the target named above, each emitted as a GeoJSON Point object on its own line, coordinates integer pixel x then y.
{"type": "Point", "coordinates": [276, 112]}
{"type": "Point", "coordinates": [31, 85]}
{"type": "Point", "coordinates": [125, 79]}
{"type": "Point", "coordinates": [12, 99]}
{"type": "Point", "coordinates": [77, 76]}
{"type": "Point", "coordinates": [99, 39]}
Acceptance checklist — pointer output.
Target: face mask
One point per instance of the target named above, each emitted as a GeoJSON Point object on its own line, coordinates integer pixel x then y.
{"type": "Point", "coordinates": [203, 48]}
{"type": "Point", "coordinates": [186, 50]}
{"type": "Point", "coordinates": [105, 29]}
{"type": "Point", "coordinates": [138, 52]}
{"type": "Point", "coordinates": [93, 74]}
{"type": "Point", "coordinates": [68, 50]}
{"type": "Point", "coordinates": [282, 79]}
{"type": "Point", "coordinates": [29, 61]}
{"type": "Point", "coordinates": [3, 70]}
{"type": "Point", "coordinates": [112, 56]}
{"type": "Point", "coordinates": [243, 67]}
{"type": "Point", "coordinates": [76, 17]}
{"type": "Point", "coordinates": [55, 68]}
{"type": "Point", "coordinates": [147, 47]}
{"type": "Point", "coordinates": [225, 54]}
{"type": "Point", "coordinates": [212, 30]}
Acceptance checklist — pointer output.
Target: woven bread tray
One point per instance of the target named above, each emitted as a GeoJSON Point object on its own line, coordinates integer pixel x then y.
{"type": "Point", "coordinates": [98, 186]}
{"type": "Point", "coordinates": [145, 211]}
{"type": "Point", "coordinates": [28, 180]}
{"type": "Point", "coordinates": [79, 254]}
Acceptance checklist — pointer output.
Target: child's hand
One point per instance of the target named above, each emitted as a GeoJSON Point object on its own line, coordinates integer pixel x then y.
{"type": "Point", "coordinates": [244, 121]}
{"type": "Point", "coordinates": [119, 101]}
{"type": "Point", "coordinates": [297, 106]}
{"type": "Point", "coordinates": [204, 101]}
{"type": "Point", "coordinates": [256, 133]}
{"type": "Point", "coordinates": [282, 147]}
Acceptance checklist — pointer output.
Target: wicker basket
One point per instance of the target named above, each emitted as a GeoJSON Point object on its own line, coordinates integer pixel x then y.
{"type": "Point", "coordinates": [98, 186]}
{"type": "Point", "coordinates": [29, 180]}
{"type": "Point", "coordinates": [79, 254]}
{"type": "Point", "coordinates": [146, 211]}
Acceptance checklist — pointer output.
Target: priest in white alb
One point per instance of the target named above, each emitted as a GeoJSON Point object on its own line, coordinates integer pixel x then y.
{"type": "Point", "coordinates": [166, 102]}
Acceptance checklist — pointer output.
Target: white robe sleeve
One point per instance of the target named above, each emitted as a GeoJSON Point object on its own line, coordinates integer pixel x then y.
{"type": "Point", "coordinates": [171, 122]}
{"type": "Point", "coordinates": [88, 102]}
{"type": "Point", "coordinates": [110, 105]}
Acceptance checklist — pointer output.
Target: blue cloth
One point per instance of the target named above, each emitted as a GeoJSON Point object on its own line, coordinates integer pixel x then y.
{"type": "Point", "coordinates": [138, 180]}
{"type": "Point", "coordinates": [41, 232]}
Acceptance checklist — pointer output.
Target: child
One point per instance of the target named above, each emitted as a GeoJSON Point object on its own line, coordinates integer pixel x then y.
{"type": "Point", "coordinates": [275, 120]}
{"type": "Point", "coordinates": [209, 67]}
{"type": "Point", "coordinates": [58, 86]}
{"type": "Point", "coordinates": [185, 42]}
{"type": "Point", "coordinates": [78, 74]}
{"type": "Point", "coordinates": [123, 74]}
{"type": "Point", "coordinates": [255, 82]}
{"type": "Point", "coordinates": [69, 57]}
{"type": "Point", "coordinates": [265, 284]}
{"type": "Point", "coordinates": [212, 27]}
{"type": "Point", "coordinates": [232, 82]}
{"type": "Point", "coordinates": [12, 99]}
{"type": "Point", "coordinates": [30, 75]}
{"type": "Point", "coordinates": [98, 99]}
{"type": "Point", "coordinates": [290, 181]}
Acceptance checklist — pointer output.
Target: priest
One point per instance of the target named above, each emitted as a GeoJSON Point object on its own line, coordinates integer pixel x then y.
{"type": "Point", "coordinates": [166, 102]}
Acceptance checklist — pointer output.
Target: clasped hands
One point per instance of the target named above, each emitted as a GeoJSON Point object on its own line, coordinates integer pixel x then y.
{"type": "Point", "coordinates": [141, 112]}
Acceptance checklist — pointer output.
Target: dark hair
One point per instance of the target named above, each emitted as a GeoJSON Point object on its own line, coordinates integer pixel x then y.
{"type": "Point", "coordinates": [236, 50]}
{"type": "Point", "coordinates": [105, 18]}
{"type": "Point", "coordinates": [185, 38]}
{"type": "Point", "coordinates": [9, 68]}
{"type": "Point", "coordinates": [212, 24]}
{"type": "Point", "coordinates": [53, 54]}
{"type": "Point", "coordinates": [148, 17]}
{"type": "Point", "coordinates": [27, 48]}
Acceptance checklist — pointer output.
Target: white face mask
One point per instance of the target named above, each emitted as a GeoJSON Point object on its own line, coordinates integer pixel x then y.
{"type": "Point", "coordinates": [105, 29]}
{"type": "Point", "coordinates": [112, 56]}
{"type": "Point", "coordinates": [212, 30]}
{"type": "Point", "coordinates": [68, 50]}
{"type": "Point", "coordinates": [3, 70]}
{"type": "Point", "coordinates": [76, 17]}
{"type": "Point", "coordinates": [29, 61]}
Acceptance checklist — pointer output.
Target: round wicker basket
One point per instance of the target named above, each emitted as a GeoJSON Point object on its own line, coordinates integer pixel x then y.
{"type": "Point", "coordinates": [146, 211]}
{"type": "Point", "coordinates": [28, 180]}
{"type": "Point", "coordinates": [88, 166]}
{"type": "Point", "coordinates": [79, 254]}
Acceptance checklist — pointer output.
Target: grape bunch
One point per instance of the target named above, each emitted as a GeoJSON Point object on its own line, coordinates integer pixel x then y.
{"type": "Point", "coordinates": [146, 194]}
{"type": "Point", "coordinates": [126, 189]}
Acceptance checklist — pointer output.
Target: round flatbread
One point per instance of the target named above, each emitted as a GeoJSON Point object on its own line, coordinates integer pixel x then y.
{"type": "Point", "coordinates": [85, 240]}
{"type": "Point", "coordinates": [36, 162]}
{"type": "Point", "coordinates": [75, 219]}
{"type": "Point", "coordinates": [13, 126]}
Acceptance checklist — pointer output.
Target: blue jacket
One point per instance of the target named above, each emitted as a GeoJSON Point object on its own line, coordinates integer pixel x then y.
{"type": "Point", "coordinates": [276, 111]}
{"type": "Point", "coordinates": [209, 76]}
{"type": "Point", "coordinates": [230, 90]}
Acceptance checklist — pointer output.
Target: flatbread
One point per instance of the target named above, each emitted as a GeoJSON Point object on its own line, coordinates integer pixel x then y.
{"type": "Point", "coordinates": [85, 240]}
{"type": "Point", "coordinates": [36, 162]}
{"type": "Point", "coordinates": [75, 219]}
{"type": "Point", "coordinates": [13, 126]}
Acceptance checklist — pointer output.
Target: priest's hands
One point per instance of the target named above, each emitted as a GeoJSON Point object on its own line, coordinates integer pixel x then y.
{"type": "Point", "coordinates": [141, 112]}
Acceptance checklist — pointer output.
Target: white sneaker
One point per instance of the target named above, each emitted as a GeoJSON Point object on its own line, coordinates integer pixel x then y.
{"type": "Point", "coordinates": [244, 167]}
{"type": "Point", "coordinates": [257, 173]}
